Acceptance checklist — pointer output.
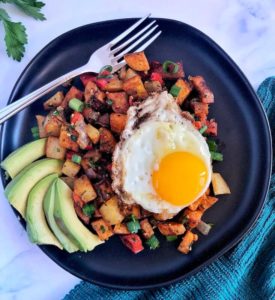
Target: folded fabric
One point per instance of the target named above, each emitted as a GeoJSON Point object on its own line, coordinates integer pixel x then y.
{"type": "Point", "coordinates": [245, 272]}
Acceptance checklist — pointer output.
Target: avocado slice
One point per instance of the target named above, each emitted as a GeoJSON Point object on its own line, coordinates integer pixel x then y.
{"type": "Point", "coordinates": [18, 189]}
{"type": "Point", "coordinates": [23, 156]}
{"type": "Point", "coordinates": [68, 221]}
{"type": "Point", "coordinates": [37, 227]}
{"type": "Point", "coordinates": [48, 205]}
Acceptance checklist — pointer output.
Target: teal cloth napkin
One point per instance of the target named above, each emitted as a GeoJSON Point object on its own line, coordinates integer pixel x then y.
{"type": "Point", "coordinates": [245, 272]}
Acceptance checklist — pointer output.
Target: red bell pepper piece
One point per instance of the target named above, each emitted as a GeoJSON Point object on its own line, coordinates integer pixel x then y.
{"type": "Point", "coordinates": [75, 117]}
{"type": "Point", "coordinates": [133, 242]}
{"type": "Point", "coordinates": [197, 124]}
{"type": "Point", "coordinates": [157, 77]}
{"type": "Point", "coordinates": [101, 82]}
{"type": "Point", "coordinates": [212, 127]}
{"type": "Point", "coordinates": [85, 78]}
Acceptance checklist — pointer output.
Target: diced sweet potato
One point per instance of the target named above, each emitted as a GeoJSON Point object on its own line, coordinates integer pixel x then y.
{"type": "Point", "coordinates": [121, 229]}
{"type": "Point", "coordinates": [193, 217]}
{"type": "Point", "coordinates": [72, 93]}
{"type": "Point", "coordinates": [52, 125]}
{"type": "Point", "coordinates": [54, 149]}
{"type": "Point", "coordinates": [134, 87]}
{"type": "Point", "coordinates": [187, 241]}
{"type": "Point", "coordinates": [107, 141]}
{"type": "Point", "coordinates": [90, 90]}
{"type": "Point", "coordinates": [185, 90]}
{"type": "Point", "coordinates": [66, 141]}
{"type": "Point", "coordinates": [93, 133]}
{"type": "Point", "coordinates": [110, 211]}
{"type": "Point", "coordinates": [40, 123]}
{"type": "Point", "coordinates": [54, 101]}
{"type": "Point", "coordinates": [146, 228]}
{"type": "Point", "coordinates": [200, 109]}
{"type": "Point", "coordinates": [171, 228]}
{"type": "Point", "coordinates": [195, 205]}
{"type": "Point", "coordinates": [84, 188]}
{"type": "Point", "coordinates": [70, 168]}
{"type": "Point", "coordinates": [205, 93]}
{"type": "Point", "coordinates": [114, 85]}
{"type": "Point", "coordinates": [120, 102]}
{"type": "Point", "coordinates": [137, 61]}
{"type": "Point", "coordinates": [207, 202]}
{"type": "Point", "coordinates": [220, 186]}
{"type": "Point", "coordinates": [117, 122]}
{"type": "Point", "coordinates": [130, 73]}
{"type": "Point", "coordinates": [103, 229]}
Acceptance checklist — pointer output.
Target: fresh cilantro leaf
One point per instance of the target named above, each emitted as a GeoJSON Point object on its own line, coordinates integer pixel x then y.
{"type": "Point", "coordinates": [29, 7]}
{"type": "Point", "coordinates": [15, 36]}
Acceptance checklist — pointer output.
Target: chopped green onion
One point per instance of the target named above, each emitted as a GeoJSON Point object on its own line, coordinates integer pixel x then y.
{"type": "Point", "coordinates": [171, 238]}
{"type": "Point", "coordinates": [76, 105]}
{"type": "Point", "coordinates": [212, 145]}
{"type": "Point", "coordinates": [102, 229]}
{"type": "Point", "coordinates": [133, 226]}
{"type": "Point", "coordinates": [105, 76]}
{"type": "Point", "coordinates": [203, 129]}
{"type": "Point", "coordinates": [76, 159]}
{"type": "Point", "coordinates": [153, 242]}
{"type": "Point", "coordinates": [34, 130]}
{"type": "Point", "coordinates": [73, 138]}
{"type": "Point", "coordinates": [216, 156]}
{"type": "Point", "coordinates": [56, 113]}
{"type": "Point", "coordinates": [167, 64]}
{"type": "Point", "coordinates": [175, 90]}
{"type": "Point", "coordinates": [106, 68]}
{"type": "Point", "coordinates": [109, 102]}
{"type": "Point", "coordinates": [88, 209]}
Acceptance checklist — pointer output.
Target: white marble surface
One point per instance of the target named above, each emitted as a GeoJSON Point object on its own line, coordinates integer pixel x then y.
{"type": "Point", "coordinates": [244, 28]}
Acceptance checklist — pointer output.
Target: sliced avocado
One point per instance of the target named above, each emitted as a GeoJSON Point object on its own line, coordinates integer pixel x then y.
{"type": "Point", "coordinates": [48, 205]}
{"type": "Point", "coordinates": [37, 227]}
{"type": "Point", "coordinates": [23, 156]}
{"type": "Point", "coordinates": [18, 189]}
{"type": "Point", "coordinates": [66, 217]}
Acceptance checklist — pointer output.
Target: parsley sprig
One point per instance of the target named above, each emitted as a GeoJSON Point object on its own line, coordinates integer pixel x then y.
{"type": "Point", "coordinates": [15, 32]}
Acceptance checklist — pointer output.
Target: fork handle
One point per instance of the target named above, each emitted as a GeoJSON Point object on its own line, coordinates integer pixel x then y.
{"type": "Point", "coordinates": [25, 101]}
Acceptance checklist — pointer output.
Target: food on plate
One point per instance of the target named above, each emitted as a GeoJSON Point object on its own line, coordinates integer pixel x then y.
{"type": "Point", "coordinates": [136, 151]}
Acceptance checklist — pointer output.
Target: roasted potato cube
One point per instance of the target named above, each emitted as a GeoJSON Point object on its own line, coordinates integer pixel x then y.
{"type": "Point", "coordinates": [118, 122]}
{"type": "Point", "coordinates": [54, 149]}
{"type": "Point", "coordinates": [114, 85]}
{"type": "Point", "coordinates": [130, 73]}
{"type": "Point", "coordinates": [90, 90]}
{"type": "Point", "coordinates": [207, 202]}
{"type": "Point", "coordinates": [120, 102]}
{"type": "Point", "coordinates": [146, 228]}
{"type": "Point", "coordinates": [40, 123]}
{"type": "Point", "coordinates": [220, 186]}
{"type": "Point", "coordinates": [163, 216]}
{"type": "Point", "coordinates": [171, 228]}
{"type": "Point", "coordinates": [93, 133]}
{"type": "Point", "coordinates": [121, 229]}
{"type": "Point", "coordinates": [72, 93]}
{"type": "Point", "coordinates": [70, 168]}
{"type": "Point", "coordinates": [200, 85]}
{"type": "Point", "coordinates": [107, 141]}
{"type": "Point", "coordinates": [69, 181]}
{"type": "Point", "coordinates": [187, 241]}
{"type": "Point", "coordinates": [128, 210]}
{"type": "Point", "coordinates": [193, 217]}
{"type": "Point", "coordinates": [103, 229]}
{"type": "Point", "coordinates": [185, 90]}
{"type": "Point", "coordinates": [122, 73]}
{"type": "Point", "coordinates": [52, 126]}
{"type": "Point", "coordinates": [54, 101]}
{"type": "Point", "coordinates": [134, 87]}
{"type": "Point", "coordinates": [84, 188]}
{"type": "Point", "coordinates": [110, 211]}
{"type": "Point", "coordinates": [66, 141]}
{"type": "Point", "coordinates": [137, 61]}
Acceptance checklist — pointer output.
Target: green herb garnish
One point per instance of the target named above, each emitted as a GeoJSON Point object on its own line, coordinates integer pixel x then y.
{"type": "Point", "coordinates": [171, 238]}
{"type": "Point", "coordinates": [76, 159]}
{"type": "Point", "coordinates": [216, 156]}
{"type": "Point", "coordinates": [175, 90]}
{"type": "Point", "coordinates": [88, 209]}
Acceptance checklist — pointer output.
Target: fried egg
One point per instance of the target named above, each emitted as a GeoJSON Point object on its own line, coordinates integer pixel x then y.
{"type": "Point", "coordinates": [162, 162]}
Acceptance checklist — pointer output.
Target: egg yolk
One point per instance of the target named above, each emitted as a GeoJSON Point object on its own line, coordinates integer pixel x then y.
{"type": "Point", "coordinates": [180, 178]}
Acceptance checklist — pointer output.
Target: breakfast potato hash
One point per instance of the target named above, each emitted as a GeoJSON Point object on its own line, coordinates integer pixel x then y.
{"type": "Point", "coordinates": [137, 148]}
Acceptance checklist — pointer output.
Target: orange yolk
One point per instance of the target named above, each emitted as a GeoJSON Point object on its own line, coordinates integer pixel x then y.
{"type": "Point", "coordinates": [180, 178]}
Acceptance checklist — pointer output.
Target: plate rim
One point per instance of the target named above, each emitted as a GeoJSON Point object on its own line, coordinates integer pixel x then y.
{"type": "Point", "coordinates": [244, 230]}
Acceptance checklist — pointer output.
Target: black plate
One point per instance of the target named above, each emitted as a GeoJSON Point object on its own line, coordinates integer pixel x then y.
{"type": "Point", "coordinates": [243, 128]}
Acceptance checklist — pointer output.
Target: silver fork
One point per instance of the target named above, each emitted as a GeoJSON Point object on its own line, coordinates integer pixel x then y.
{"type": "Point", "coordinates": [106, 55]}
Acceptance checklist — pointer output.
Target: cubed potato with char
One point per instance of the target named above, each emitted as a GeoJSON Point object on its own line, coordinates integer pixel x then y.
{"type": "Point", "coordinates": [40, 123]}
{"type": "Point", "coordinates": [220, 187]}
{"type": "Point", "coordinates": [185, 90]}
{"type": "Point", "coordinates": [171, 228]}
{"type": "Point", "coordinates": [54, 149]}
{"type": "Point", "coordinates": [207, 202]}
{"type": "Point", "coordinates": [84, 188]}
{"type": "Point", "coordinates": [193, 217]}
{"type": "Point", "coordinates": [120, 102]}
{"type": "Point", "coordinates": [114, 85]}
{"type": "Point", "coordinates": [200, 85]}
{"type": "Point", "coordinates": [134, 87]}
{"type": "Point", "coordinates": [118, 122]}
{"type": "Point", "coordinates": [110, 211]}
{"type": "Point", "coordinates": [90, 90]}
{"type": "Point", "coordinates": [137, 61]}
{"type": "Point", "coordinates": [54, 101]}
{"type": "Point", "coordinates": [52, 126]}
{"type": "Point", "coordinates": [130, 73]}
{"type": "Point", "coordinates": [103, 229]}
{"type": "Point", "coordinates": [186, 244]}
{"type": "Point", "coordinates": [72, 93]}
{"type": "Point", "coordinates": [107, 141]}
{"type": "Point", "coordinates": [93, 133]}
{"type": "Point", "coordinates": [163, 216]}
{"type": "Point", "coordinates": [146, 228]}
{"type": "Point", "coordinates": [121, 229]}
{"type": "Point", "coordinates": [70, 168]}
{"type": "Point", "coordinates": [66, 140]}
